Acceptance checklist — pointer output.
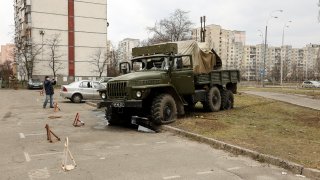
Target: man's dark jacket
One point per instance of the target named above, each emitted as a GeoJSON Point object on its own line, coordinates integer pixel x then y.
{"type": "Point", "coordinates": [48, 87]}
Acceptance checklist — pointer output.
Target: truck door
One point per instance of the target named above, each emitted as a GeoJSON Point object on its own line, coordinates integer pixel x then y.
{"type": "Point", "coordinates": [182, 75]}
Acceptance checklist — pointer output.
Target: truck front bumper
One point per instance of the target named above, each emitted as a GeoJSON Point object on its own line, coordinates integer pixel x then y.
{"type": "Point", "coordinates": [123, 103]}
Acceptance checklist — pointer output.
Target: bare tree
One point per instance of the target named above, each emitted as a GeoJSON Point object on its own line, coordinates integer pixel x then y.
{"type": "Point", "coordinates": [113, 56]}
{"type": "Point", "coordinates": [285, 71]}
{"type": "Point", "coordinates": [317, 64]}
{"type": "Point", "coordinates": [175, 28]}
{"type": "Point", "coordinates": [26, 53]}
{"type": "Point", "coordinates": [54, 63]}
{"type": "Point", "coordinates": [6, 72]}
{"type": "Point", "coordinates": [275, 72]}
{"type": "Point", "coordinates": [99, 60]}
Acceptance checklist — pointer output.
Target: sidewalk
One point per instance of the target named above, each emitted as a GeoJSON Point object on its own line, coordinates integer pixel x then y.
{"type": "Point", "coordinates": [292, 99]}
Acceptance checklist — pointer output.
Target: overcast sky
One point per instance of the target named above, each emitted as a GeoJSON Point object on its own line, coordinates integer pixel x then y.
{"type": "Point", "coordinates": [129, 18]}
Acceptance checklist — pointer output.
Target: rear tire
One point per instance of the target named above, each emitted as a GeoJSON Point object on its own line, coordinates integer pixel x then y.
{"type": "Point", "coordinates": [227, 99]}
{"type": "Point", "coordinates": [164, 109]}
{"type": "Point", "coordinates": [213, 102]}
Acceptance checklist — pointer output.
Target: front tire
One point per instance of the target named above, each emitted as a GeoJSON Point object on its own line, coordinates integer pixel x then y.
{"type": "Point", "coordinates": [164, 109]}
{"type": "Point", "coordinates": [115, 118]}
{"type": "Point", "coordinates": [213, 102]}
{"type": "Point", "coordinates": [76, 98]}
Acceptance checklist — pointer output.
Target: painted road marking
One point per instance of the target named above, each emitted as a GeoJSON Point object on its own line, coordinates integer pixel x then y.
{"type": "Point", "coordinates": [35, 134]}
{"type": "Point", "coordinates": [233, 168]}
{"type": "Point", "coordinates": [26, 155]}
{"type": "Point", "coordinates": [161, 142]}
{"type": "Point", "coordinates": [204, 172]}
{"type": "Point", "coordinates": [142, 144]}
{"type": "Point", "coordinates": [45, 154]}
{"type": "Point", "coordinates": [22, 135]}
{"type": "Point", "coordinates": [172, 177]}
{"type": "Point", "coordinates": [39, 174]}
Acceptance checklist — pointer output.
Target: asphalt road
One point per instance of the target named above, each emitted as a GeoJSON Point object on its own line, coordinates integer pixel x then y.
{"type": "Point", "coordinates": [104, 152]}
{"type": "Point", "coordinates": [289, 98]}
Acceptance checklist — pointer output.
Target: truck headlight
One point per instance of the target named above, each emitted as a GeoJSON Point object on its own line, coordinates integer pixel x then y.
{"type": "Point", "coordinates": [103, 95]}
{"type": "Point", "coordinates": [138, 94]}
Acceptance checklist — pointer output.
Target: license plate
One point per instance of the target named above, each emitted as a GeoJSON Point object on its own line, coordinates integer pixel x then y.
{"type": "Point", "coordinates": [118, 104]}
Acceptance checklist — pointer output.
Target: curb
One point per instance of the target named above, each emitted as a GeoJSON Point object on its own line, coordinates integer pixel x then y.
{"type": "Point", "coordinates": [264, 158]}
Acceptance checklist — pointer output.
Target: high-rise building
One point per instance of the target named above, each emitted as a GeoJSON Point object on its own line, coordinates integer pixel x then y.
{"type": "Point", "coordinates": [7, 53]}
{"type": "Point", "coordinates": [79, 28]}
{"type": "Point", "coordinates": [310, 60]}
{"type": "Point", "coordinates": [250, 66]}
{"type": "Point", "coordinates": [125, 48]}
{"type": "Point", "coordinates": [228, 44]}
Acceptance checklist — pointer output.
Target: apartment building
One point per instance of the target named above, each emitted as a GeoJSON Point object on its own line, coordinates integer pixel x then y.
{"type": "Point", "coordinates": [7, 52]}
{"type": "Point", "coordinates": [228, 44]}
{"type": "Point", "coordinates": [250, 67]}
{"type": "Point", "coordinates": [310, 60]}
{"type": "Point", "coordinates": [125, 48]}
{"type": "Point", "coordinates": [79, 26]}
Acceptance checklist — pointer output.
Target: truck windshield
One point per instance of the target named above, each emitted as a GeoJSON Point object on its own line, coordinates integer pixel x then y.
{"type": "Point", "coordinates": [150, 64]}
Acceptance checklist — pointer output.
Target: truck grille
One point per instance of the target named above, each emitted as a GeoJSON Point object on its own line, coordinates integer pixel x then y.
{"type": "Point", "coordinates": [116, 89]}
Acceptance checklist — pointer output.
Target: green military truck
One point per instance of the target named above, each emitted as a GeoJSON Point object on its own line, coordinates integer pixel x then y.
{"type": "Point", "coordinates": [164, 81]}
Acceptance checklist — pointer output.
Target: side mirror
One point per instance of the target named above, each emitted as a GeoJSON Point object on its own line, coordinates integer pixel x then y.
{"type": "Point", "coordinates": [124, 67]}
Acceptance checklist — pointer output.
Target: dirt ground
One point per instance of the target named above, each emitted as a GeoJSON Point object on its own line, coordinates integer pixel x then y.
{"type": "Point", "coordinates": [267, 126]}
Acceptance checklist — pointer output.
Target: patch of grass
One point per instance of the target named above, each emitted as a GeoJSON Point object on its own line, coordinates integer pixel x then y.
{"type": "Point", "coordinates": [312, 92]}
{"type": "Point", "coordinates": [264, 125]}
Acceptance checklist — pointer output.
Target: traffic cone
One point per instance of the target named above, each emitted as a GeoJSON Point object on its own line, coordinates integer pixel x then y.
{"type": "Point", "coordinates": [56, 107]}
{"type": "Point", "coordinates": [49, 132]}
{"type": "Point", "coordinates": [77, 122]}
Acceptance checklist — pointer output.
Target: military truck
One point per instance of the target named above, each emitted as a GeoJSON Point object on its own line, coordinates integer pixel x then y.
{"type": "Point", "coordinates": [164, 81]}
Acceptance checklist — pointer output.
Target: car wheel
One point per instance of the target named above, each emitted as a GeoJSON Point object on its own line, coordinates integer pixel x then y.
{"type": "Point", "coordinates": [76, 98]}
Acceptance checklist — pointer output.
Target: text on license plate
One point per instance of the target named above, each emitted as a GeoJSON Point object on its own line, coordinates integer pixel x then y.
{"type": "Point", "coordinates": [118, 104]}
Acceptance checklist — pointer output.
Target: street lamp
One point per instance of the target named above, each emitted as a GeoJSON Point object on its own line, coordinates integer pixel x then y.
{"type": "Point", "coordinates": [260, 73]}
{"type": "Point", "coordinates": [41, 32]}
{"type": "Point", "coordinates": [281, 60]}
{"type": "Point", "coordinates": [265, 44]}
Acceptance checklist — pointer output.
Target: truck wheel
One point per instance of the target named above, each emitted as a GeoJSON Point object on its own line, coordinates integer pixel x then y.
{"type": "Point", "coordinates": [164, 109]}
{"type": "Point", "coordinates": [227, 100]}
{"type": "Point", "coordinates": [112, 117]}
{"type": "Point", "coordinates": [76, 98]}
{"type": "Point", "coordinates": [213, 102]}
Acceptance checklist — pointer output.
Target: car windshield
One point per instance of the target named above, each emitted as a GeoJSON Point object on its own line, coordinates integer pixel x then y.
{"type": "Point", "coordinates": [36, 80]}
{"type": "Point", "coordinates": [150, 64]}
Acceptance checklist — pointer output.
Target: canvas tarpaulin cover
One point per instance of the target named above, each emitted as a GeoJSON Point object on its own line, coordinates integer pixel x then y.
{"type": "Point", "coordinates": [204, 60]}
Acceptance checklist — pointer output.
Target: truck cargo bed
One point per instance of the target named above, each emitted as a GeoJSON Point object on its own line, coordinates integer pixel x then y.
{"type": "Point", "coordinates": [220, 77]}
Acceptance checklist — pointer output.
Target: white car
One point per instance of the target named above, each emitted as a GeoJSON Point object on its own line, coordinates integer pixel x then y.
{"type": "Point", "coordinates": [81, 90]}
{"type": "Point", "coordinates": [311, 84]}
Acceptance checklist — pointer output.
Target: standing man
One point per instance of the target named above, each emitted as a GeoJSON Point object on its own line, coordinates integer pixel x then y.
{"type": "Point", "coordinates": [48, 88]}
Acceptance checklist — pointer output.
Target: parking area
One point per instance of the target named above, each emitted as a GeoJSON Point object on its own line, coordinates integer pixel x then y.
{"type": "Point", "coordinates": [105, 152]}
